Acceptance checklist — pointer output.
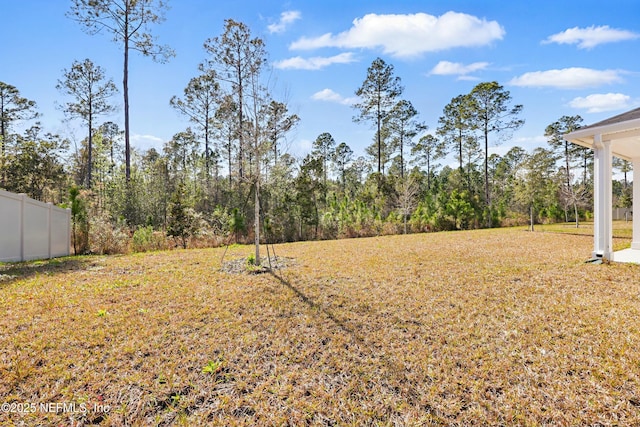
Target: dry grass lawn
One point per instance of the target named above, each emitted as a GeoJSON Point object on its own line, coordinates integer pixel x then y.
{"type": "Point", "coordinates": [490, 327]}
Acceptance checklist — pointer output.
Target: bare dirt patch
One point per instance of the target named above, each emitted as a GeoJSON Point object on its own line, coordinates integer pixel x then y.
{"type": "Point", "coordinates": [246, 265]}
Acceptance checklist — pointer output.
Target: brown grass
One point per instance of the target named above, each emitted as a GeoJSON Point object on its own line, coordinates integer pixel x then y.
{"type": "Point", "coordinates": [490, 327]}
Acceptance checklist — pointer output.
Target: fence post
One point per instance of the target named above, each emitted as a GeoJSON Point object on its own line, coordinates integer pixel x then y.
{"type": "Point", "coordinates": [68, 222]}
{"type": "Point", "coordinates": [21, 219]}
{"type": "Point", "coordinates": [49, 229]}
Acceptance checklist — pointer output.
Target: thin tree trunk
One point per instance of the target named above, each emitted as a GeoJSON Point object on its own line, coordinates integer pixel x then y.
{"type": "Point", "coordinates": [216, 184]}
{"type": "Point", "coordinates": [230, 161]}
{"type": "Point", "coordinates": [275, 149]}
{"type": "Point", "coordinates": [626, 183]}
{"type": "Point", "coordinates": [566, 164]}
{"type": "Point", "coordinates": [531, 212]}
{"type": "Point", "coordinates": [379, 138]}
{"type": "Point", "coordinates": [75, 239]}
{"type": "Point", "coordinates": [402, 162]}
{"type": "Point", "coordinates": [125, 90]}
{"type": "Point", "coordinates": [486, 168]}
{"type": "Point", "coordinates": [256, 222]}
{"type": "Point", "coordinates": [206, 149]}
{"type": "Point", "coordinates": [460, 148]}
{"type": "Point", "coordinates": [240, 124]}
{"type": "Point", "coordinates": [90, 148]}
{"type": "Point", "coordinates": [317, 218]}
{"type": "Point", "coordinates": [112, 164]}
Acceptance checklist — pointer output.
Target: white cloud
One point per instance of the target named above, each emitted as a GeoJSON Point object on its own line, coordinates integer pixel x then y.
{"type": "Point", "coordinates": [446, 68]}
{"type": "Point", "coordinates": [409, 35]}
{"type": "Point", "coordinates": [331, 96]}
{"type": "Point", "coordinates": [314, 63]}
{"type": "Point", "coordinates": [530, 140]}
{"type": "Point", "coordinates": [589, 37]}
{"type": "Point", "coordinates": [286, 18]}
{"type": "Point", "coordinates": [145, 142]}
{"type": "Point", "coordinates": [568, 78]}
{"type": "Point", "coordinates": [600, 102]}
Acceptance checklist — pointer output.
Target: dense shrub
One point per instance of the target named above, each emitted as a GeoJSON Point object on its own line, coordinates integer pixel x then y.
{"type": "Point", "coordinates": [145, 239]}
{"type": "Point", "coordinates": [106, 238]}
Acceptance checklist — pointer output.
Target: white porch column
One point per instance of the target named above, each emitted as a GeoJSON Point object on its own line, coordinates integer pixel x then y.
{"type": "Point", "coordinates": [635, 241]}
{"type": "Point", "coordinates": [602, 198]}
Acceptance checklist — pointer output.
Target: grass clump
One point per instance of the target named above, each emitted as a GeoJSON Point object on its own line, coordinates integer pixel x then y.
{"type": "Point", "coordinates": [251, 260]}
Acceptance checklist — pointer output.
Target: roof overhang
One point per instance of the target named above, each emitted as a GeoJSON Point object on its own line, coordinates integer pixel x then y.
{"type": "Point", "coordinates": [624, 137]}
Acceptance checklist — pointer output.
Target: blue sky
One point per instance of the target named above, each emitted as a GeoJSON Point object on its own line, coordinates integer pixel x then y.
{"type": "Point", "coordinates": [555, 57]}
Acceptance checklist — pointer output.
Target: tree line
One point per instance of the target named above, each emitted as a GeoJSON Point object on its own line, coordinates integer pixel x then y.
{"type": "Point", "coordinates": [228, 176]}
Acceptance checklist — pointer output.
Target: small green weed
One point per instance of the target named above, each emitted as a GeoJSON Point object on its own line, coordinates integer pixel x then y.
{"type": "Point", "coordinates": [212, 367]}
{"type": "Point", "coordinates": [251, 260]}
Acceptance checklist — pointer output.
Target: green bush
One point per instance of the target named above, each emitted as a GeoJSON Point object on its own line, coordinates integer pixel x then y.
{"type": "Point", "coordinates": [141, 238]}
{"type": "Point", "coordinates": [145, 239]}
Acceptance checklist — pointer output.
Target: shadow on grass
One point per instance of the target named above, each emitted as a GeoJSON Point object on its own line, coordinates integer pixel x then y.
{"type": "Point", "coordinates": [620, 230]}
{"type": "Point", "coordinates": [13, 271]}
{"type": "Point", "coordinates": [574, 233]}
{"type": "Point", "coordinates": [315, 306]}
{"type": "Point", "coordinates": [568, 233]}
{"type": "Point", "coordinates": [389, 367]}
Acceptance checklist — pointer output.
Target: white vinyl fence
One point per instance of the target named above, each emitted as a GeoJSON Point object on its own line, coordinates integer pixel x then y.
{"type": "Point", "coordinates": [30, 229]}
{"type": "Point", "coordinates": [622, 214]}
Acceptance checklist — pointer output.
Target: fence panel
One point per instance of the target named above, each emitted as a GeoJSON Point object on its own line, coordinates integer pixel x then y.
{"type": "Point", "coordinates": [622, 214]}
{"type": "Point", "coordinates": [60, 232]}
{"type": "Point", "coordinates": [30, 229]}
{"type": "Point", "coordinates": [10, 226]}
{"type": "Point", "coordinates": [35, 230]}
